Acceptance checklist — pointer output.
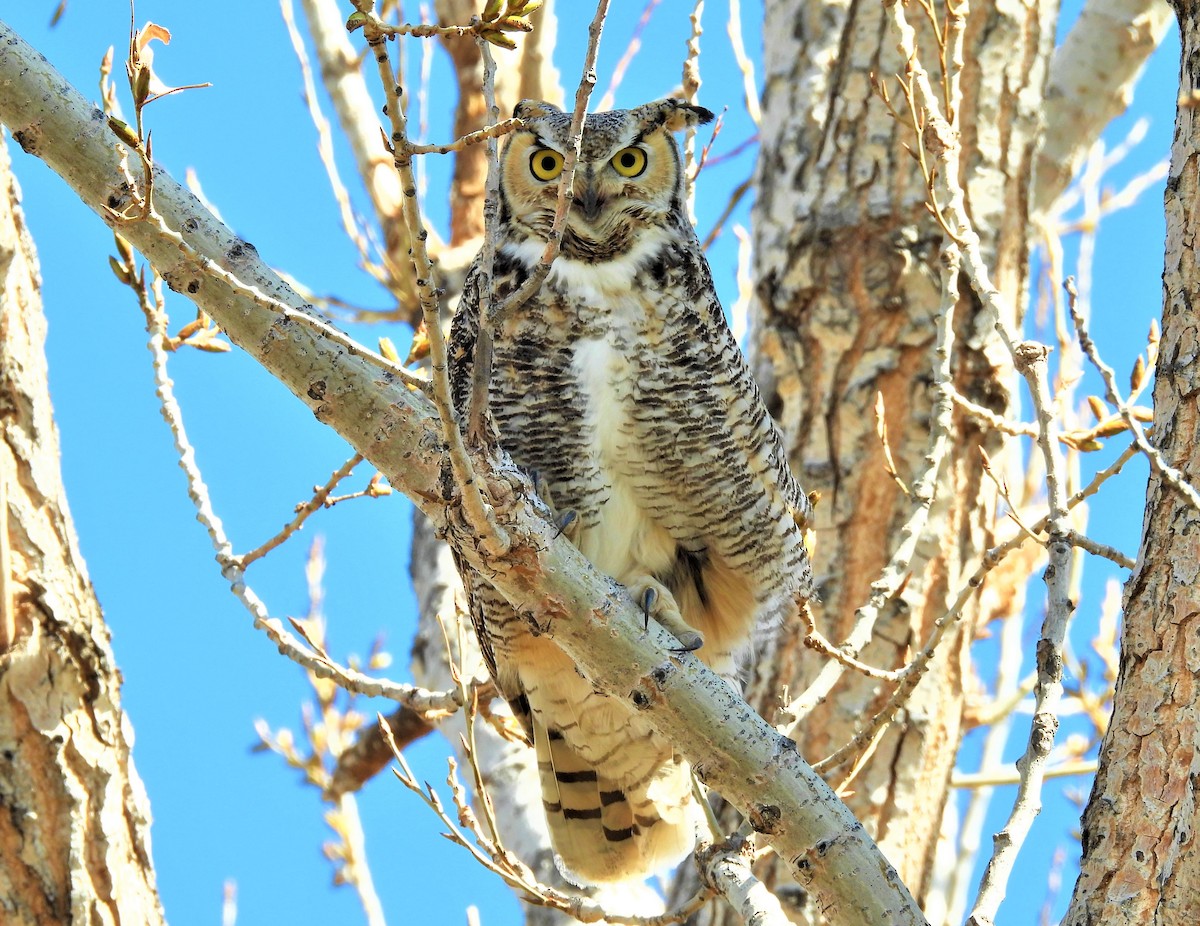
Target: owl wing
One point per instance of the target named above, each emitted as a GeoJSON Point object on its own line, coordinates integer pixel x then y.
{"type": "Point", "coordinates": [482, 599]}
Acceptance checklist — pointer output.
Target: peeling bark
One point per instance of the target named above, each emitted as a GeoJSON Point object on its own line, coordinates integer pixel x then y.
{"type": "Point", "coordinates": [74, 818]}
{"type": "Point", "coordinates": [848, 288]}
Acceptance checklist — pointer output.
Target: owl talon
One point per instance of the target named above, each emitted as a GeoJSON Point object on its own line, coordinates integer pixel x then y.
{"type": "Point", "coordinates": [658, 602]}
{"type": "Point", "coordinates": [649, 596]}
{"type": "Point", "coordinates": [567, 521]}
{"type": "Point", "coordinates": [569, 524]}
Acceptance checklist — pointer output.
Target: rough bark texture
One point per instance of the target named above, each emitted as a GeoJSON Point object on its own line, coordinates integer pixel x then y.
{"type": "Point", "coordinates": [1141, 856]}
{"type": "Point", "coordinates": [74, 819]}
{"type": "Point", "coordinates": [848, 286]}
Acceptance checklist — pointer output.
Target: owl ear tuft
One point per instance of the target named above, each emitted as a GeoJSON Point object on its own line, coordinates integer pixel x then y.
{"type": "Point", "coordinates": [672, 114]}
{"type": "Point", "coordinates": [532, 109]}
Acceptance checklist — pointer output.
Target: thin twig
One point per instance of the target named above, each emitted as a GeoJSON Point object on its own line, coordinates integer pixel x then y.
{"type": "Point", "coordinates": [744, 62]}
{"type": "Point", "coordinates": [913, 672]}
{"type": "Point", "coordinates": [1012, 777]}
{"type": "Point", "coordinates": [355, 868]}
{"type": "Point", "coordinates": [990, 418]}
{"type": "Point", "coordinates": [889, 464]}
{"type": "Point", "coordinates": [493, 538]}
{"type": "Point", "coordinates": [1161, 468]}
{"type": "Point", "coordinates": [350, 223]}
{"type": "Point", "coordinates": [627, 56]}
{"type": "Point", "coordinates": [1010, 691]}
{"type": "Point", "coordinates": [739, 192]}
{"type": "Point", "coordinates": [320, 496]}
{"type": "Point", "coordinates": [419, 699]}
{"type": "Point", "coordinates": [487, 133]}
{"type": "Point", "coordinates": [691, 90]}
{"type": "Point", "coordinates": [940, 139]}
{"type": "Point", "coordinates": [1096, 548]}
{"type": "Point", "coordinates": [481, 363]}
{"type": "Point", "coordinates": [510, 869]}
{"type": "Point", "coordinates": [1031, 363]}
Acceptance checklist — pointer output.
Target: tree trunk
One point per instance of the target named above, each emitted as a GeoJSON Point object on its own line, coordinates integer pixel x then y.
{"type": "Point", "coordinates": [847, 264]}
{"type": "Point", "coordinates": [74, 818]}
{"type": "Point", "coordinates": [1141, 858]}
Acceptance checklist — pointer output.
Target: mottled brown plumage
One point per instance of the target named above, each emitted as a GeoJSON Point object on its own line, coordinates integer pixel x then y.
{"type": "Point", "coordinates": [621, 387]}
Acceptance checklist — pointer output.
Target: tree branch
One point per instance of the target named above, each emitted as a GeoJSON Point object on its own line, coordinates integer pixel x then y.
{"type": "Point", "coordinates": [1092, 75]}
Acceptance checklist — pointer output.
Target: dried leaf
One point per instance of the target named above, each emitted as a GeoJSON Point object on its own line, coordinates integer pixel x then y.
{"type": "Point", "coordinates": [150, 32]}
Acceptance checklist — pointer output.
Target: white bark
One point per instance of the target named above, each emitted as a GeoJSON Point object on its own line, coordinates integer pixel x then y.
{"type": "Point", "coordinates": [1092, 76]}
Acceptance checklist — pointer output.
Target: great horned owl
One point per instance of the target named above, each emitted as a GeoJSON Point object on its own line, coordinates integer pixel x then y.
{"type": "Point", "coordinates": [621, 387]}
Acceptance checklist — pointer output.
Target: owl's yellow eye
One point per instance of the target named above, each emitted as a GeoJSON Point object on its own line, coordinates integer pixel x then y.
{"type": "Point", "coordinates": [629, 162]}
{"type": "Point", "coordinates": [546, 164]}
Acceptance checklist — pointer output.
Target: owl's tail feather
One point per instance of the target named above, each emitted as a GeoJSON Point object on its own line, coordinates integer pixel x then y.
{"type": "Point", "coordinates": [605, 831]}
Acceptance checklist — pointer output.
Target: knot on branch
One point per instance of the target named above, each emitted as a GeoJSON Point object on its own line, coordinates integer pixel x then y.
{"type": "Point", "coordinates": [736, 849]}
{"type": "Point", "coordinates": [765, 818]}
{"type": "Point", "coordinates": [502, 533]}
{"type": "Point", "coordinates": [1028, 353]}
{"type": "Point", "coordinates": [938, 136]}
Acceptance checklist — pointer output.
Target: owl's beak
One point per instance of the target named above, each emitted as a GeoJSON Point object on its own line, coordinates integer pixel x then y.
{"type": "Point", "coordinates": [585, 194]}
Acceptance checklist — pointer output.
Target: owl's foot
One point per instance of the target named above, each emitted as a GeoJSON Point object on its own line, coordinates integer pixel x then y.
{"type": "Point", "coordinates": [657, 602]}
{"type": "Point", "coordinates": [568, 522]}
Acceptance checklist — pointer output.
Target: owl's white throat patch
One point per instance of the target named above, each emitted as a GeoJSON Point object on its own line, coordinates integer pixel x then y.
{"type": "Point", "coordinates": [594, 283]}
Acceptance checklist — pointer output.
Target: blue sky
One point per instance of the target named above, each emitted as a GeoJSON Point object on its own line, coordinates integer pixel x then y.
{"type": "Point", "coordinates": [196, 674]}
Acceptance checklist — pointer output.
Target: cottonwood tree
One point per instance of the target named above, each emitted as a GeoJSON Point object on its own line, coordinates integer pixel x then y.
{"type": "Point", "coordinates": [886, 328]}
